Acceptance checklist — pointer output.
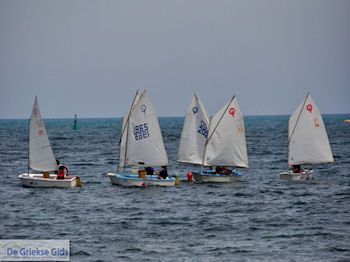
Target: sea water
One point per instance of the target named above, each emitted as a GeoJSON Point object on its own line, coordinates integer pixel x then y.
{"type": "Point", "coordinates": [260, 218]}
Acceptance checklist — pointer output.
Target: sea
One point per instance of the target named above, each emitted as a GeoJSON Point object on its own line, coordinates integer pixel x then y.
{"type": "Point", "coordinates": [261, 218]}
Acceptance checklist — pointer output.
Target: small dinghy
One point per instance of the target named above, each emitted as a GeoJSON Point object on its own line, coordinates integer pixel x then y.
{"type": "Point", "coordinates": [210, 177]}
{"type": "Point", "coordinates": [42, 158]}
{"type": "Point", "coordinates": [39, 180]}
{"type": "Point", "coordinates": [308, 142]}
{"type": "Point", "coordinates": [216, 142]}
{"type": "Point", "coordinates": [138, 180]}
{"type": "Point", "coordinates": [141, 145]}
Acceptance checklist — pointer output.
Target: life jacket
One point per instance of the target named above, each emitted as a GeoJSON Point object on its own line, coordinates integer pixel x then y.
{"type": "Point", "coordinates": [60, 172]}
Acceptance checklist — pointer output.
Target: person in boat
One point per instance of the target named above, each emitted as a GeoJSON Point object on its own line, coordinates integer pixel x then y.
{"type": "Point", "coordinates": [163, 173]}
{"type": "Point", "coordinates": [223, 171]}
{"type": "Point", "coordinates": [149, 171]}
{"type": "Point", "coordinates": [297, 169]}
{"type": "Point", "coordinates": [218, 169]}
{"type": "Point", "coordinates": [60, 170]}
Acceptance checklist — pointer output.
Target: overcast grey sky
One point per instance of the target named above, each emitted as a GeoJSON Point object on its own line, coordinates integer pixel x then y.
{"type": "Point", "coordinates": [89, 57]}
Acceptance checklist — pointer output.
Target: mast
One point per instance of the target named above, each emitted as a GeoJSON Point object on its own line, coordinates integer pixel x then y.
{"type": "Point", "coordinates": [205, 147]}
{"type": "Point", "coordinates": [127, 131]}
{"type": "Point", "coordinates": [206, 141]}
{"type": "Point", "coordinates": [28, 143]}
{"type": "Point", "coordinates": [127, 120]}
{"type": "Point", "coordinates": [126, 143]}
{"type": "Point", "coordinates": [295, 125]}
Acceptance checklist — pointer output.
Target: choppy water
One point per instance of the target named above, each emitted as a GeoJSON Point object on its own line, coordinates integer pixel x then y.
{"type": "Point", "coordinates": [260, 218]}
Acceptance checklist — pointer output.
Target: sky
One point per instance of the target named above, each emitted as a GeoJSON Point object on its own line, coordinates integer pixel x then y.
{"type": "Point", "coordinates": [89, 57]}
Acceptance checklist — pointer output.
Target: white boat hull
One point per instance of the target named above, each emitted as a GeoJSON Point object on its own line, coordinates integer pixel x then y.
{"type": "Point", "coordinates": [306, 175]}
{"type": "Point", "coordinates": [212, 177]}
{"type": "Point", "coordinates": [37, 180]}
{"type": "Point", "coordinates": [134, 180]}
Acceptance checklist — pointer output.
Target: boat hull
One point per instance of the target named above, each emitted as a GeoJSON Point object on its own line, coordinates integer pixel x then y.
{"type": "Point", "coordinates": [212, 177]}
{"type": "Point", "coordinates": [134, 180]}
{"type": "Point", "coordinates": [306, 175]}
{"type": "Point", "coordinates": [37, 180]}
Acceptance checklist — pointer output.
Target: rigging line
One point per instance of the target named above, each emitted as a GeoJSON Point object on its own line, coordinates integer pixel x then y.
{"type": "Point", "coordinates": [219, 120]}
{"type": "Point", "coordinates": [298, 118]}
{"type": "Point", "coordinates": [206, 143]}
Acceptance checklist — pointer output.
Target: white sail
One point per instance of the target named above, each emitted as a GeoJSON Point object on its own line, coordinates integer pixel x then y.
{"type": "Point", "coordinates": [194, 133]}
{"type": "Point", "coordinates": [123, 136]}
{"type": "Point", "coordinates": [307, 137]}
{"type": "Point", "coordinates": [226, 144]}
{"type": "Point", "coordinates": [41, 156]}
{"type": "Point", "coordinates": [144, 140]}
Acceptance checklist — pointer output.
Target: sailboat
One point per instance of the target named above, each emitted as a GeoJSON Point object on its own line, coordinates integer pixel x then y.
{"type": "Point", "coordinates": [219, 141]}
{"type": "Point", "coordinates": [41, 157]}
{"type": "Point", "coordinates": [141, 145]}
{"type": "Point", "coordinates": [194, 133]}
{"type": "Point", "coordinates": [308, 142]}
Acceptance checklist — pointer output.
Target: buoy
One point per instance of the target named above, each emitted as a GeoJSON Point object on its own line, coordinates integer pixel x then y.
{"type": "Point", "coordinates": [75, 127]}
{"type": "Point", "coordinates": [176, 180]}
{"type": "Point", "coordinates": [189, 176]}
{"type": "Point", "coordinates": [347, 120]}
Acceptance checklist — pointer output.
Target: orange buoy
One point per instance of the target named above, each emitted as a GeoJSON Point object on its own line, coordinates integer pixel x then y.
{"type": "Point", "coordinates": [347, 120]}
{"type": "Point", "coordinates": [189, 176]}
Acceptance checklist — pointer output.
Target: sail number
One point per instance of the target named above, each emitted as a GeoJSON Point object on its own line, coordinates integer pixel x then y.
{"type": "Point", "coordinates": [203, 129]}
{"type": "Point", "coordinates": [40, 125]}
{"type": "Point", "coordinates": [316, 122]}
{"type": "Point", "coordinates": [141, 131]}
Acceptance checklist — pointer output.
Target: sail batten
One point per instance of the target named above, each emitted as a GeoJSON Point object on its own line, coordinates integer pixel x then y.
{"type": "Point", "coordinates": [41, 156]}
{"type": "Point", "coordinates": [307, 136]}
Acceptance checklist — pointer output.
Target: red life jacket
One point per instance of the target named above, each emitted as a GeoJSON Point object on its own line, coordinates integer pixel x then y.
{"type": "Point", "coordinates": [60, 172]}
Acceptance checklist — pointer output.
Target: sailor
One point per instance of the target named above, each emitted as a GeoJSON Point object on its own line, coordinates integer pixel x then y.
{"type": "Point", "coordinates": [223, 170]}
{"type": "Point", "coordinates": [163, 173]}
{"type": "Point", "coordinates": [149, 171]}
{"type": "Point", "coordinates": [60, 171]}
{"type": "Point", "coordinates": [297, 169]}
{"type": "Point", "coordinates": [218, 169]}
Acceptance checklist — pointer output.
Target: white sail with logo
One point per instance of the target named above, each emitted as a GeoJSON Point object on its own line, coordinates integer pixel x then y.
{"type": "Point", "coordinates": [144, 145]}
{"type": "Point", "coordinates": [123, 136]}
{"type": "Point", "coordinates": [226, 145]}
{"type": "Point", "coordinates": [41, 156]}
{"type": "Point", "coordinates": [307, 137]}
{"type": "Point", "coordinates": [194, 133]}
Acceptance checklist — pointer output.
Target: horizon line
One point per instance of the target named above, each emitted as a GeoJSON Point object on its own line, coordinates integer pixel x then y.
{"type": "Point", "coordinates": [101, 117]}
